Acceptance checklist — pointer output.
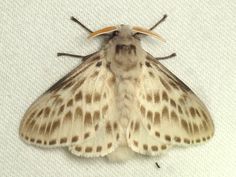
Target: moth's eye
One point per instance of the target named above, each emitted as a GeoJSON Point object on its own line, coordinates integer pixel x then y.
{"type": "Point", "coordinates": [115, 33]}
{"type": "Point", "coordinates": [136, 36]}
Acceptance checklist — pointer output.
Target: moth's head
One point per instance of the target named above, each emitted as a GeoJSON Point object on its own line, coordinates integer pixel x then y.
{"type": "Point", "coordinates": [124, 41]}
{"type": "Point", "coordinates": [125, 33]}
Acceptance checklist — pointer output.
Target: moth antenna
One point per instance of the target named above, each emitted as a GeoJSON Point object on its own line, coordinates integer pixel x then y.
{"type": "Point", "coordinates": [166, 57]}
{"type": "Point", "coordinates": [82, 25]}
{"type": "Point", "coordinates": [70, 55]}
{"type": "Point", "coordinates": [159, 22]}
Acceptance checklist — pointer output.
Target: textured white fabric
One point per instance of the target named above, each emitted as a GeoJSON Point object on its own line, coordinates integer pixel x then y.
{"type": "Point", "coordinates": [203, 35]}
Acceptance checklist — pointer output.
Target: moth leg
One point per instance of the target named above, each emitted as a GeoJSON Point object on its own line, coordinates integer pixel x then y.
{"type": "Point", "coordinates": [82, 25]}
{"type": "Point", "coordinates": [166, 57]}
{"type": "Point", "coordinates": [159, 22]}
{"type": "Point", "coordinates": [75, 56]}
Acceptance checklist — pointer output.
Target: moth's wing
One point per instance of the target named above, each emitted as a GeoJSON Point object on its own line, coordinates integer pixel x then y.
{"type": "Point", "coordinates": [105, 140]}
{"type": "Point", "coordinates": [73, 109]}
{"type": "Point", "coordinates": [168, 110]}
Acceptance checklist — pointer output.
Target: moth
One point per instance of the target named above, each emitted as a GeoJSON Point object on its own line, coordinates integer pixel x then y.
{"type": "Point", "coordinates": [118, 102]}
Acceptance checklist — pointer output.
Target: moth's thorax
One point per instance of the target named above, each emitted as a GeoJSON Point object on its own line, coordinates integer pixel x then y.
{"type": "Point", "coordinates": [124, 52]}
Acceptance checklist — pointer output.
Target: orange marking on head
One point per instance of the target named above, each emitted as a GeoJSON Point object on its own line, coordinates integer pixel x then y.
{"type": "Point", "coordinates": [147, 32]}
{"type": "Point", "coordinates": [103, 31]}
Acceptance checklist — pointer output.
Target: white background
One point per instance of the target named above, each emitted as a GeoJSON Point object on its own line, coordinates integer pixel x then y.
{"type": "Point", "coordinates": [201, 32]}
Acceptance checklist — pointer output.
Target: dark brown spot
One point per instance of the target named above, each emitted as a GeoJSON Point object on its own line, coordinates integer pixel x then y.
{"type": "Point", "coordinates": [148, 64]}
{"type": "Point", "coordinates": [39, 141]}
{"type": "Point", "coordinates": [205, 125]}
{"type": "Point", "coordinates": [42, 129]}
{"type": "Point", "coordinates": [141, 65]}
{"type": "Point", "coordinates": [186, 112]}
{"type": "Point", "coordinates": [78, 113]}
{"type": "Point", "coordinates": [149, 126]}
{"type": "Point", "coordinates": [96, 97]}
{"type": "Point", "coordinates": [187, 141]}
{"type": "Point", "coordinates": [117, 136]}
{"type": "Point", "coordinates": [48, 128]}
{"type": "Point", "coordinates": [151, 74]}
{"type": "Point", "coordinates": [208, 137]}
{"type": "Point", "coordinates": [108, 128]}
{"type": "Point", "coordinates": [149, 116]}
{"type": "Point", "coordinates": [68, 85]}
{"type": "Point", "coordinates": [63, 140]}
{"type": "Point", "coordinates": [165, 113]}
{"type": "Point", "coordinates": [104, 95]}
{"type": "Point", "coordinates": [143, 110]}
{"type": "Point", "coordinates": [68, 116]}
{"type": "Point", "coordinates": [184, 125]}
{"type": "Point", "coordinates": [195, 128]}
{"type": "Point", "coordinates": [96, 116]}
{"type": "Point", "coordinates": [52, 142]}
{"type": "Point", "coordinates": [136, 127]}
{"type": "Point", "coordinates": [163, 147]}
{"type": "Point", "coordinates": [75, 139]}
{"type": "Point", "coordinates": [167, 138]}
{"type": "Point", "coordinates": [55, 125]}
{"type": "Point", "coordinates": [181, 101]}
{"type": "Point", "coordinates": [198, 140]}
{"type": "Point", "coordinates": [88, 98]}
{"type": "Point", "coordinates": [86, 135]}
{"type": "Point", "coordinates": [156, 97]}
{"type": "Point", "coordinates": [173, 85]}
{"type": "Point", "coordinates": [177, 139]}
{"type": "Point", "coordinates": [109, 145]}
{"type": "Point", "coordinates": [135, 143]}
{"type": "Point", "coordinates": [149, 97]}
{"type": "Point", "coordinates": [190, 128]}
{"type": "Point", "coordinates": [78, 96]}
{"type": "Point", "coordinates": [204, 115]}
{"type": "Point", "coordinates": [199, 115]}
{"type": "Point", "coordinates": [174, 116]}
{"type": "Point", "coordinates": [46, 112]}
{"type": "Point", "coordinates": [61, 110]}
{"type": "Point", "coordinates": [96, 127]}
{"type": "Point", "coordinates": [203, 139]}
{"type": "Point", "coordinates": [157, 134]}
{"type": "Point", "coordinates": [32, 115]}
{"type": "Point", "coordinates": [112, 81]}
{"type": "Point", "coordinates": [192, 112]}
{"type": "Point", "coordinates": [132, 124]}
{"type": "Point", "coordinates": [157, 118]}
{"type": "Point", "coordinates": [108, 65]}
{"type": "Point", "coordinates": [172, 103]}
{"type": "Point", "coordinates": [78, 85]}
{"type": "Point", "coordinates": [180, 109]}
{"type": "Point", "coordinates": [165, 84]}
{"type": "Point", "coordinates": [154, 148]}
{"type": "Point", "coordinates": [40, 113]}
{"type": "Point", "coordinates": [98, 64]}
{"type": "Point", "coordinates": [94, 74]}
{"type": "Point", "coordinates": [104, 110]}
{"type": "Point", "coordinates": [26, 137]}
{"type": "Point", "coordinates": [115, 126]}
{"type": "Point", "coordinates": [99, 148]}
{"type": "Point", "coordinates": [78, 148]}
{"type": "Point", "coordinates": [89, 149]}
{"type": "Point", "coordinates": [57, 101]}
{"type": "Point", "coordinates": [145, 147]}
{"type": "Point", "coordinates": [70, 103]}
{"type": "Point", "coordinates": [87, 119]}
